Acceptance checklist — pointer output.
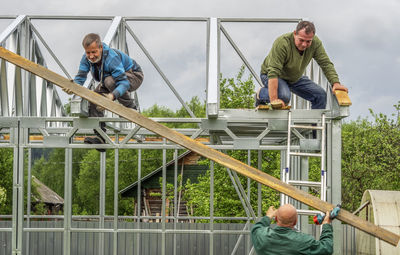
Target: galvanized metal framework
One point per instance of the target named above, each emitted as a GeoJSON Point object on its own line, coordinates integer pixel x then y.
{"type": "Point", "coordinates": [31, 106]}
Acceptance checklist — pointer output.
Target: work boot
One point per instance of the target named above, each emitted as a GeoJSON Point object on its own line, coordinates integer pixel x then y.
{"type": "Point", "coordinates": [99, 109]}
{"type": "Point", "coordinates": [95, 140]}
{"type": "Point", "coordinates": [276, 104]}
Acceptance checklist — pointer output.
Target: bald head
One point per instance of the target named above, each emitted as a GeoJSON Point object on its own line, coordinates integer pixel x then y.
{"type": "Point", "coordinates": [286, 216]}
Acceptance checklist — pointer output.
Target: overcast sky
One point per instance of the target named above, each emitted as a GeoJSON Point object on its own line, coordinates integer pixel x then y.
{"type": "Point", "coordinates": [361, 38]}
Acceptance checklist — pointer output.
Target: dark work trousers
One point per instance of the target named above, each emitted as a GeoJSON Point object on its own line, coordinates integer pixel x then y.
{"type": "Point", "coordinates": [135, 79]}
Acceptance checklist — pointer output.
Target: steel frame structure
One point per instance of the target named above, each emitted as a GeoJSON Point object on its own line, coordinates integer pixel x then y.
{"type": "Point", "coordinates": [31, 106]}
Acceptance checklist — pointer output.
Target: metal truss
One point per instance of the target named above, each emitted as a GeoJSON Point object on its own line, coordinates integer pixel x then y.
{"type": "Point", "coordinates": [33, 117]}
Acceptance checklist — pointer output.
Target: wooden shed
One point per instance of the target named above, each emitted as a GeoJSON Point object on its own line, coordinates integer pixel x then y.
{"type": "Point", "coordinates": [151, 202]}
{"type": "Point", "coordinates": [53, 202]}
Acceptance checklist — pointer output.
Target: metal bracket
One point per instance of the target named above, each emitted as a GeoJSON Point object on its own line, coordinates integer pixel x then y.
{"type": "Point", "coordinates": [213, 124]}
{"type": "Point", "coordinates": [8, 122]}
{"type": "Point", "coordinates": [246, 144]}
{"type": "Point", "coordinates": [90, 123]}
{"type": "Point", "coordinates": [277, 125]}
{"type": "Point", "coordinates": [310, 144]}
{"type": "Point", "coordinates": [33, 123]}
{"type": "Point", "coordinates": [55, 141]}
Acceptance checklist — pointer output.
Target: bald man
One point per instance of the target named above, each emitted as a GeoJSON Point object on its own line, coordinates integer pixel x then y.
{"type": "Point", "coordinates": [284, 239]}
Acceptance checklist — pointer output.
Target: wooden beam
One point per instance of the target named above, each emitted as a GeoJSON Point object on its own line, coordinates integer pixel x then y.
{"type": "Point", "coordinates": [343, 98]}
{"type": "Point", "coordinates": [197, 147]}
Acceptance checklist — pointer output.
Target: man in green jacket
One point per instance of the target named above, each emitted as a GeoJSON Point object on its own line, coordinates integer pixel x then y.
{"type": "Point", "coordinates": [282, 71]}
{"type": "Point", "coordinates": [284, 239]}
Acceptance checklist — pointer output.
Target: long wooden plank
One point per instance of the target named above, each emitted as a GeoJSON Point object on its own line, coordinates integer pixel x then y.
{"type": "Point", "coordinates": [198, 147]}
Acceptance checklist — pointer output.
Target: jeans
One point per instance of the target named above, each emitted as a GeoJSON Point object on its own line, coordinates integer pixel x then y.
{"type": "Point", "coordinates": [304, 88]}
{"type": "Point", "coordinates": [135, 79]}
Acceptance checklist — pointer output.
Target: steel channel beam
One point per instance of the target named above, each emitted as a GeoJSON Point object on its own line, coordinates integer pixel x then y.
{"type": "Point", "coordinates": [66, 17]}
{"type": "Point", "coordinates": [11, 28]}
{"type": "Point", "coordinates": [28, 199]}
{"type": "Point", "coordinates": [164, 197]}
{"type": "Point", "coordinates": [67, 202]}
{"type": "Point", "coordinates": [213, 51]}
{"type": "Point", "coordinates": [112, 30]}
{"type": "Point", "coordinates": [176, 202]}
{"type": "Point", "coordinates": [334, 173]}
{"type": "Point", "coordinates": [263, 20]}
{"type": "Point", "coordinates": [116, 189]}
{"type": "Point", "coordinates": [187, 19]}
{"type": "Point", "coordinates": [18, 197]}
{"type": "Point", "coordinates": [139, 194]}
{"type": "Point", "coordinates": [211, 248]}
{"type": "Point", "coordinates": [102, 200]}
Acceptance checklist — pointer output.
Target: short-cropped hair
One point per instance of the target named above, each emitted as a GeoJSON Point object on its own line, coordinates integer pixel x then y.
{"type": "Point", "coordinates": [307, 25]}
{"type": "Point", "coordinates": [90, 38]}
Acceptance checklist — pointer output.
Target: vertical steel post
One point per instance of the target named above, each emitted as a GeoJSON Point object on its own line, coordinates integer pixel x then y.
{"type": "Point", "coordinates": [25, 37]}
{"type": "Point", "coordinates": [175, 196]}
{"type": "Point", "coordinates": [67, 201]}
{"type": "Point", "coordinates": [323, 158]}
{"type": "Point", "coordinates": [102, 202]}
{"type": "Point", "coordinates": [164, 196]}
{"type": "Point", "coordinates": [116, 171]}
{"type": "Point", "coordinates": [213, 68]}
{"type": "Point", "coordinates": [28, 200]}
{"type": "Point", "coordinates": [249, 199]}
{"type": "Point", "coordinates": [18, 195]}
{"type": "Point", "coordinates": [259, 193]}
{"type": "Point", "coordinates": [139, 202]}
{"type": "Point", "coordinates": [211, 203]}
{"type": "Point", "coordinates": [334, 171]}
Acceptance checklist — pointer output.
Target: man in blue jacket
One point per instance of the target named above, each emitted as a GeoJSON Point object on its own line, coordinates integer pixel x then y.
{"type": "Point", "coordinates": [284, 239]}
{"type": "Point", "coordinates": [116, 72]}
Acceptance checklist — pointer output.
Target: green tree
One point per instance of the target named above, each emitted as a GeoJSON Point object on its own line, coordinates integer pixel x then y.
{"type": "Point", "coordinates": [51, 172]}
{"type": "Point", "coordinates": [226, 200]}
{"type": "Point", "coordinates": [370, 157]}
{"type": "Point", "coordinates": [3, 195]}
{"type": "Point", "coordinates": [236, 93]}
{"type": "Point", "coordinates": [88, 180]}
{"type": "Point", "coordinates": [6, 173]}
{"type": "Point", "coordinates": [198, 108]}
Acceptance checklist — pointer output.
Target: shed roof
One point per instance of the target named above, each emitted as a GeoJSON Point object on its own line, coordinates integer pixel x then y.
{"type": "Point", "coordinates": [130, 190]}
{"type": "Point", "coordinates": [46, 194]}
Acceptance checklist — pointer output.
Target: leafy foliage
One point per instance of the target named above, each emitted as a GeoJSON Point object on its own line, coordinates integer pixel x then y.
{"type": "Point", "coordinates": [226, 201]}
{"type": "Point", "coordinates": [6, 171]}
{"type": "Point", "coordinates": [198, 109]}
{"type": "Point", "coordinates": [237, 93]}
{"type": "Point", "coordinates": [371, 157]}
{"type": "Point", "coordinates": [3, 195]}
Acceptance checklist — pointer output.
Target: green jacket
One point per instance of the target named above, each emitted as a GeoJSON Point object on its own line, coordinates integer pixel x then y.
{"type": "Point", "coordinates": [282, 240]}
{"type": "Point", "coordinates": [285, 62]}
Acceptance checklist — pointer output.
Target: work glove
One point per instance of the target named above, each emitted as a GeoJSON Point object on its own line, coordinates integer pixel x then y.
{"type": "Point", "coordinates": [68, 91]}
{"type": "Point", "coordinates": [109, 96]}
